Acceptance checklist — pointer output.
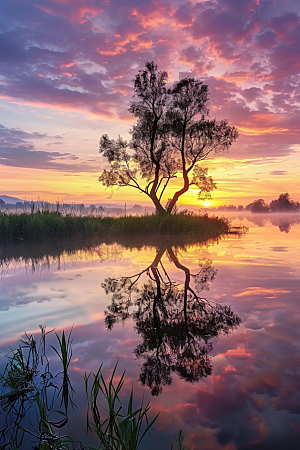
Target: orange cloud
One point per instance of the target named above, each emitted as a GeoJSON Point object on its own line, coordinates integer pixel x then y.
{"type": "Point", "coordinates": [123, 90]}
{"type": "Point", "coordinates": [237, 77]}
{"type": "Point", "coordinates": [155, 14]}
{"type": "Point", "coordinates": [267, 123]}
{"type": "Point", "coordinates": [69, 64]}
{"type": "Point", "coordinates": [259, 131]}
{"type": "Point", "coordinates": [259, 291]}
{"type": "Point", "coordinates": [128, 341]}
{"type": "Point", "coordinates": [142, 46]}
{"type": "Point", "coordinates": [129, 37]}
{"type": "Point", "coordinates": [239, 353]}
{"type": "Point", "coordinates": [117, 51]}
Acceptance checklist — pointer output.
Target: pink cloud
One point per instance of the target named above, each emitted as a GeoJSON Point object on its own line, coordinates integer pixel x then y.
{"type": "Point", "coordinates": [252, 94]}
{"type": "Point", "coordinates": [75, 10]}
{"type": "Point", "coordinates": [82, 56]}
{"type": "Point", "coordinates": [219, 24]}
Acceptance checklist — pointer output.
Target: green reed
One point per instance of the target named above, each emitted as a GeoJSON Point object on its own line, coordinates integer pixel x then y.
{"type": "Point", "coordinates": [29, 392]}
{"type": "Point", "coordinates": [118, 427]}
{"type": "Point", "coordinates": [46, 225]}
{"type": "Point", "coordinates": [64, 352]}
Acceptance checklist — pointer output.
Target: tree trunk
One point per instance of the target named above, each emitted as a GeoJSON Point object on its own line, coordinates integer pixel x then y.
{"type": "Point", "coordinates": [159, 208]}
{"type": "Point", "coordinates": [179, 193]}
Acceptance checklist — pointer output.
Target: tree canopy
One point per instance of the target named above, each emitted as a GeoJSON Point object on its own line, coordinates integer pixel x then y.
{"type": "Point", "coordinates": [284, 203]}
{"type": "Point", "coordinates": [173, 133]}
{"type": "Point", "coordinates": [260, 206]}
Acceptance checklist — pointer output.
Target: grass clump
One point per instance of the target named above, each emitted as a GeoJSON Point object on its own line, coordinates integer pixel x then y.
{"type": "Point", "coordinates": [121, 428]}
{"type": "Point", "coordinates": [46, 225]}
{"type": "Point", "coordinates": [30, 393]}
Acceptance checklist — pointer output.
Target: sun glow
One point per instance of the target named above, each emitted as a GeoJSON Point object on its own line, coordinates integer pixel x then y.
{"type": "Point", "coordinates": [206, 203]}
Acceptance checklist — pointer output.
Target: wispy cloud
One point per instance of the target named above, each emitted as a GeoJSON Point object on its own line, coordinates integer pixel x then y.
{"type": "Point", "coordinates": [18, 150]}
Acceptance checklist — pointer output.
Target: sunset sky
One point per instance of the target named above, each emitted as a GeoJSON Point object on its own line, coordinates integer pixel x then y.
{"type": "Point", "coordinates": [66, 70]}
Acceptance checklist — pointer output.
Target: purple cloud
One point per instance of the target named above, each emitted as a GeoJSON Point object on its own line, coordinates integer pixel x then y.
{"type": "Point", "coordinates": [17, 150]}
{"type": "Point", "coordinates": [82, 56]}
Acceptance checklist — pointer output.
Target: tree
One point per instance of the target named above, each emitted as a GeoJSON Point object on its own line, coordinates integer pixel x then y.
{"type": "Point", "coordinates": [284, 204]}
{"type": "Point", "coordinates": [260, 206]}
{"type": "Point", "coordinates": [172, 135]}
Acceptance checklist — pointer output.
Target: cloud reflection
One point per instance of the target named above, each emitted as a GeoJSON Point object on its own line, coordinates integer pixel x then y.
{"type": "Point", "coordinates": [251, 399]}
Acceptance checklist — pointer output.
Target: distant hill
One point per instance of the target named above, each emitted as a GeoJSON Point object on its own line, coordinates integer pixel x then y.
{"type": "Point", "coordinates": [8, 199]}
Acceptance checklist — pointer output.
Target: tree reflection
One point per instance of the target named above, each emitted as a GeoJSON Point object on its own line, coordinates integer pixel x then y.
{"type": "Point", "coordinates": [283, 222]}
{"type": "Point", "coordinates": [174, 321]}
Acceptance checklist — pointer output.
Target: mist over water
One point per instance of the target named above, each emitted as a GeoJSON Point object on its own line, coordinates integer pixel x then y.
{"type": "Point", "coordinates": [220, 364]}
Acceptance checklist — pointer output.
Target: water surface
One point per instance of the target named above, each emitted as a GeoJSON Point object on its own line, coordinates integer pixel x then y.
{"type": "Point", "coordinates": [220, 364]}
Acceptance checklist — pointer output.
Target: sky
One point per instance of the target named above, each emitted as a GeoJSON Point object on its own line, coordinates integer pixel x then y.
{"type": "Point", "coordinates": [66, 71]}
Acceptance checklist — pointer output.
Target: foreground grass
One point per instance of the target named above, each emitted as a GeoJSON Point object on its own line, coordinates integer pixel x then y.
{"type": "Point", "coordinates": [30, 395]}
{"type": "Point", "coordinates": [48, 225]}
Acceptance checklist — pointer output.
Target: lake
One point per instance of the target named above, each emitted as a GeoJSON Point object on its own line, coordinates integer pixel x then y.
{"type": "Point", "coordinates": [208, 332]}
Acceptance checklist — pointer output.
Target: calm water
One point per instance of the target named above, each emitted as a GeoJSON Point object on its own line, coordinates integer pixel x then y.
{"type": "Point", "coordinates": [221, 364]}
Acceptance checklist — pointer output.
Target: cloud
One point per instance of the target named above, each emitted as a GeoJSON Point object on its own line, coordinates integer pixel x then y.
{"type": "Point", "coordinates": [184, 15]}
{"type": "Point", "coordinates": [82, 56]}
{"type": "Point", "coordinates": [266, 40]}
{"type": "Point", "coordinates": [75, 10]}
{"type": "Point", "coordinates": [17, 150]}
{"type": "Point", "coordinates": [252, 93]}
{"type": "Point", "coordinates": [284, 25]}
{"type": "Point", "coordinates": [278, 172]}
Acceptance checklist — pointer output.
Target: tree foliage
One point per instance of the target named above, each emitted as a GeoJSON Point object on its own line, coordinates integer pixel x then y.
{"type": "Point", "coordinates": [172, 134]}
{"type": "Point", "coordinates": [284, 203]}
{"type": "Point", "coordinates": [260, 206]}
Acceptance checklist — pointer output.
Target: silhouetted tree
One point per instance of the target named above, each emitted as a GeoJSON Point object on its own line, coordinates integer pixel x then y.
{"type": "Point", "coordinates": [260, 206]}
{"type": "Point", "coordinates": [249, 206]}
{"type": "Point", "coordinates": [174, 321]}
{"type": "Point", "coordinates": [284, 204]}
{"type": "Point", "coordinates": [172, 135]}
